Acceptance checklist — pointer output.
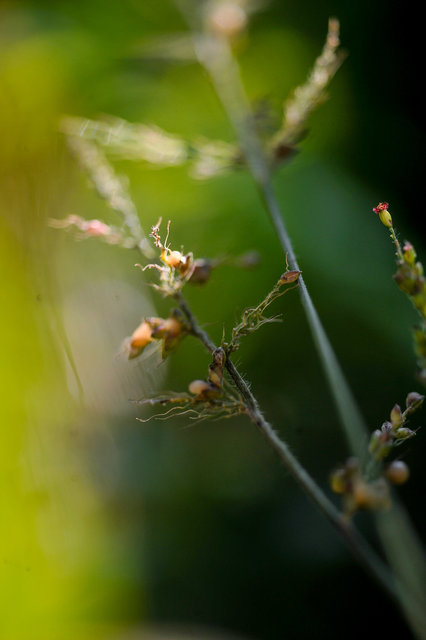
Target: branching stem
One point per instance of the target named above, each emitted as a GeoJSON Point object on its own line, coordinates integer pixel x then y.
{"type": "Point", "coordinates": [358, 545]}
{"type": "Point", "coordinates": [215, 56]}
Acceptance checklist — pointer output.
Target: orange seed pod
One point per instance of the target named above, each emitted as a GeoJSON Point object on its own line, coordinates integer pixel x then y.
{"type": "Point", "coordinates": [142, 335]}
{"type": "Point", "coordinates": [172, 259]}
{"type": "Point", "coordinates": [397, 472]}
{"type": "Point", "coordinates": [197, 387]}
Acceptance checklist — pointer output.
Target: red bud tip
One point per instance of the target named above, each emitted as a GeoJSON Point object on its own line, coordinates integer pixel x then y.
{"type": "Point", "coordinates": [381, 207]}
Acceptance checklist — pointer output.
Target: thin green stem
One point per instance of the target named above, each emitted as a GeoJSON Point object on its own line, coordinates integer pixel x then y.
{"type": "Point", "coordinates": [395, 240]}
{"type": "Point", "coordinates": [215, 55]}
{"type": "Point", "coordinates": [357, 544]}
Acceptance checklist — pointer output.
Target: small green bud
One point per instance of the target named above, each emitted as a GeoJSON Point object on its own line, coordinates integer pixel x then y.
{"type": "Point", "coordinates": [338, 481]}
{"type": "Point", "coordinates": [386, 218]}
{"type": "Point", "coordinates": [419, 301]}
{"type": "Point", "coordinates": [409, 253]}
{"type": "Point", "coordinates": [384, 215]}
{"type": "Point", "coordinates": [375, 441]}
{"type": "Point", "coordinates": [419, 268]}
{"type": "Point", "coordinates": [420, 339]}
{"type": "Point", "coordinates": [413, 401]}
{"type": "Point", "coordinates": [396, 416]}
{"type": "Point", "coordinates": [371, 496]}
{"type": "Point", "coordinates": [403, 433]}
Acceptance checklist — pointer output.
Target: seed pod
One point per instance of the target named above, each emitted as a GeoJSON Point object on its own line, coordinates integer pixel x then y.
{"type": "Point", "coordinates": [185, 264]}
{"type": "Point", "coordinates": [290, 276]}
{"type": "Point", "coordinates": [197, 387]}
{"type": "Point", "coordinates": [338, 481]}
{"type": "Point", "coordinates": [375, 441]}
{"type": "Point", "coordinates": [170, 328]}
{"type": "Point", "coordinates": [414, 401]}
{"type": "Point", "coordinates": [384, 215]}
{"type": "Point", "coordinates": [386, 427]}
{"type": "Point", "coordinates": [409, 253]}
{"type": "Point", "coordinates": [403, 433]}
{"type": "Point", "coordinates": [397, 472]}
{"type": "Point", "coordinates": [139, 339]}
{"type": "Point", "coordinates": [216, 367]}
{"type": "Point", "coordinates": [172, 259]}
{"type": "Point", "coordinates": [396, 416]}
{"type": "Point", "coordinates": [142, 335]}
{"type": "Point", "coordinates": [201, 272]}
{"type": "Point", "coordinates": [204, 391]}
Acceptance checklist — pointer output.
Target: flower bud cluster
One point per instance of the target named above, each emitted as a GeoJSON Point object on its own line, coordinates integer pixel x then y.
{"type": "Point", "coordinates": [357, 493]}
{"type": "Point", "coordinates": [206, 398]}
{"type": "Point", "coordinates": [393, 432]}
{"type": "Point", "coordinates": [307, 97]}
{"type": "Point", "coordinates": [384, 215]}
{"type": "Point", "coordinates": [357, 489]}
{"type": "Point", "coordinates": [176, 268]}
{"type": "Point", "coordinates": [169, 332]}
{"type": "Point", "coordinates": [410, 279]}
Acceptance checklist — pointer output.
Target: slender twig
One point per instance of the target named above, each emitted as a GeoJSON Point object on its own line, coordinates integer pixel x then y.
{"type": "Point", "coordinates": [215, 56]}
{"type": "Point", "coordinates": [357, 544]}
{"type": "Point", "coordinates": [196, 330]}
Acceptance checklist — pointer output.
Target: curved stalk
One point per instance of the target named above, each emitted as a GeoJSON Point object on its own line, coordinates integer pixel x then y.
{"type": "Point", "coordinates": [215, 56]}
{"type": "Point", "coordinates": [357, 544]}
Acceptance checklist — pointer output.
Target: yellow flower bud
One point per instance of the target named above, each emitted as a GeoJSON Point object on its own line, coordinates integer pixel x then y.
{"type": "Point", "coordinates": [384, 215]}
{"type": "Point", "coordinates": [396, 416]}
{"type": "Point", "coordinates": [142, 335]}
{"type": "Point", "coordinates": [339, 481]}
{"type": "Point", "coordinates": [139, 339]}
{"type": "Point", "coordinates": [172, 259]}
{"type": "Point", "coordinates": [386, 218]}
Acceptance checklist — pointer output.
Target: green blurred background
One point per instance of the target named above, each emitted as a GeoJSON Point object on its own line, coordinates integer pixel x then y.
{"type": "Point", "coordinates": [115, 529]}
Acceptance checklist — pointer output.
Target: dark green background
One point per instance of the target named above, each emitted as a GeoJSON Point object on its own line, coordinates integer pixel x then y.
{"type": "Point", "coordinates": [201, 527]}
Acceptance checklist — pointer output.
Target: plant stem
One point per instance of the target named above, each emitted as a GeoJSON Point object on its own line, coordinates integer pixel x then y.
{"type": "Point", "coordinates": [395, 240]}
{"type": "Point", "coordinates": [215, 56]}
{"type": "Point", "coordinates": [357, 544]}
{"type": "Point", "coordinates": [196, 330]}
